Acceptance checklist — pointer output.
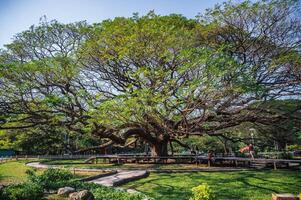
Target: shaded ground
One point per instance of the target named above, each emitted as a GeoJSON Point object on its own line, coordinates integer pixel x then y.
{"type": "Point", "coordinates": [80, 163]}
{"type": "Point", "coordinates": [246, 185]}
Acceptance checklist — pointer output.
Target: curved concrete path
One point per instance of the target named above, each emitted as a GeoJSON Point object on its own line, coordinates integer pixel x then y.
{"type": "Point", "coordinates": [120, 178]}
{"type": "Point", "coordinates": [39, 165]}
{"type": "Point", "coordinates": [111, 180]}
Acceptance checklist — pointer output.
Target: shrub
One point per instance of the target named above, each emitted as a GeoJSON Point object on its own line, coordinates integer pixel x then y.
{"type": "Point", "coordinates": [80, 185]}
{"type": "Point", "coordinates": [293, 147]}
{"type": "Point", "coordinates": [285, 155]}
{"type": "Point", "coordinates": [108, 193]}
{"type": "Point", "coordinates": [25, 191]}
{"type": "Point", "coordinates": [51, 178]}
{"type": "Point", "coordinates": [55, 178]}
{"type": "Point", "coordinates": [202, 192]}
{"type": "Point", "coordinates": [104, 193]}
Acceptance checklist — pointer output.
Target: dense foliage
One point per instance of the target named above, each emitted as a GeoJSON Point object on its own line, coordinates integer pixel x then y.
{"type": "Point", "coordinates": [51, 179]}
{"type": "Point", "coordinates": [152, 79]}
{"type": "Point", "coordinates": [24, 191]}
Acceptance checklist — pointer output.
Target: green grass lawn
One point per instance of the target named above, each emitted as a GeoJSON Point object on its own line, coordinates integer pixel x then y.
{"type": "Point", "coordinates": [246, 185]}
{"type": "Point", "coordinates": [81, 164]}
{"type": "Point", "coordinates": [13, 172]}
{"type": "Point", "coordinates": [55, 197]}
{"type": "Point", "coordinates": [63, 161]}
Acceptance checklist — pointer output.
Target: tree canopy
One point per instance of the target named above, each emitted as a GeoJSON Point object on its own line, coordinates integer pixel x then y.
{"type": "Point", "coordinates": [154, 79]}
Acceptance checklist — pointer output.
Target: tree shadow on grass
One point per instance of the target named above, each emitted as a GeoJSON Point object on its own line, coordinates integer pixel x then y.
{"type": "Point", "coordinates": [6, 180]}
{"type": "Point", "coordinates": [161, 187]}
{"type": "Point", "coordinates": [236, 185]}
{"type": "Point", "coordinates": [167, 192]}
{"type": "Point", "coordinates": [226, 185]}
{"type": "Point", "coordinates": [1, 178]}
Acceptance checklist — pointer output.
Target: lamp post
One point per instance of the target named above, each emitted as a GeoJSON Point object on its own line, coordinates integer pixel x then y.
{"type": "Point", "coordinates": [252, 130]}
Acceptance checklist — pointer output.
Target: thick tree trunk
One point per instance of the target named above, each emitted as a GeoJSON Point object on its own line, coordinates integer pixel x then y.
{"type": "Point", "coordinates": [281, 145]}
{"type": "Point", "coordinates": [159, 149]}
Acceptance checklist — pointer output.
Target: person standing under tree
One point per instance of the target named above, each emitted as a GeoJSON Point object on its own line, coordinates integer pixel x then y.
{"type": "Point", "coordinates": [251, 150]}
{"type": "Point", "coordinates": [210, 157]}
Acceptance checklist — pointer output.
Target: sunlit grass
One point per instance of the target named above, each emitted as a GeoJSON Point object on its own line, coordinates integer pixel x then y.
{"type": "Point", "coordinates": [246, 185]}
{"type": "Point", "coordinates": [13, 172]}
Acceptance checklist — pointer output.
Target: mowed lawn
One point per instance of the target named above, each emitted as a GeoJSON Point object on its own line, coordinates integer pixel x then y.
{"type": "Point", "coordinates": [245, 185]}
{"type": "Point", "coordinates": [82, 164]}
{"type": "Point", "coordinates": [13, 172]}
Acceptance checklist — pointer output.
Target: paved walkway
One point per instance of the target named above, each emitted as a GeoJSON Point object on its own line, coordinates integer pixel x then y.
{"type": "Point", "coordinates": [39, 165]}
{"type": "Point", "coordinates": [120, 178]}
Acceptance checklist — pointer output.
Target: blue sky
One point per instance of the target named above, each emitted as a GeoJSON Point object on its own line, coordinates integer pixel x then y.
{"type": "Point", "coordinates": [18, 15]}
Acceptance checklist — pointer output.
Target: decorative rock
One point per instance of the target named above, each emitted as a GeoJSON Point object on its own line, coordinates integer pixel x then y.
{"type": "Point", "coordinates": [82, 195]}
{"type": "Point", "coordinates": [65, 191]}
{"type": "Point", "coordinates": [285, 197]}
{"type": "Point", "coordinates": [131, 191]}
{"type": "Point", "coordinates": [1, 187]}
{"type": "Point", "coordinates": [73, 196]}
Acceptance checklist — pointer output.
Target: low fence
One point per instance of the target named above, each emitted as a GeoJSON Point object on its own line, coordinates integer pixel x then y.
{"type": "Point", "coordinates": [50, 157]}
{"type": "Point", "coordinates": [145, 157]}
{"type": "Point", "coordinates": [175, 159]}
{"type": "Point", "coordinates": [56, 157]}
{"type": "Point", "coordinates": [6, 159]}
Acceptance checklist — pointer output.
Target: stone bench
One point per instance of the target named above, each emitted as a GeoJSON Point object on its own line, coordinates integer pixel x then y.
{"type": "Point", "coordinates": [285, 197]}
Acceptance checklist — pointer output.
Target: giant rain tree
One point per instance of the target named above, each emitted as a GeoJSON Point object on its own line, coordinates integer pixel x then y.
{"type": "Point", "coordinates": [154, 78]}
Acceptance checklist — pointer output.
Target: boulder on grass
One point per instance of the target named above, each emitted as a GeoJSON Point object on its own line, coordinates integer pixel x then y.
{"type": "Point", "coordinates": [285, 197]}
{"type": "Point", "coordinates": [1, 187]}
{"type": "Point", "coordinates": [65, 191]}
{"type": "Point", "coordinates": [82, 195]}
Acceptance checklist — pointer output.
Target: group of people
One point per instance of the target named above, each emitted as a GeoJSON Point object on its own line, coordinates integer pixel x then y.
{"type": "Point", "coordinates": [250, 149]}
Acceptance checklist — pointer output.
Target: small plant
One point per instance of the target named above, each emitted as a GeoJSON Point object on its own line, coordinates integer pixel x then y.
{"type": "Point", "coordinates": [104, 194]}
{"type": "Point", "coordinates": [51, 178]}
{"type": "Point", "coordinates": [293, 147]}
{"type": "Point", "coordinates": [202, 192]}
{"type": "Point", "coordinates": [25, 191]}
{"type": "Point", "coordinates": [285, 155]}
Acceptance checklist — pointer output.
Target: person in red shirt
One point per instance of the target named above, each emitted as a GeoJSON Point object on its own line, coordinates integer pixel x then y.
{"type": "Point", "coordinates": [250, 149]}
